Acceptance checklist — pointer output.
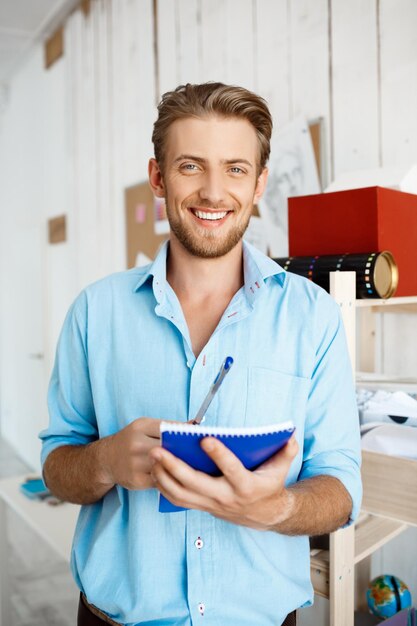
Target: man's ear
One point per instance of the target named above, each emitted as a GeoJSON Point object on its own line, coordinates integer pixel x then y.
{"type": "Point", "coordinates": [155, 179]}
{"type": "Point", "coordinates": [261, 185]}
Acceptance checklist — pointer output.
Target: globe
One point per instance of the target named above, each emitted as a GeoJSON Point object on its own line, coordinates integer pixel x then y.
{"type": "Point", "coordinates": [387, 595]}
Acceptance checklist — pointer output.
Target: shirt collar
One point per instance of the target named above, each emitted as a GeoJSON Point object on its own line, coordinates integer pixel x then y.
{"type": "Point", "coordinates": [157, 269]}
{"type": "Point", "coordinates": [257, 268]}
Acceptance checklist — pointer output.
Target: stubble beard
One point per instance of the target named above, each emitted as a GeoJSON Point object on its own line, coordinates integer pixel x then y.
{"type": "Point", "coordinates": [206, 245]}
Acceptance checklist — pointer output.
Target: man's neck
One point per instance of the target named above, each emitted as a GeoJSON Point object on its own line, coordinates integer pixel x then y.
{"type": "Point", "coordinates": [194, 278]}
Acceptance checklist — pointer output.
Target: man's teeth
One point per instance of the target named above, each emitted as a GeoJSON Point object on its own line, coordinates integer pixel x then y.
{"type": "Point", "coordinates": [210, 216]}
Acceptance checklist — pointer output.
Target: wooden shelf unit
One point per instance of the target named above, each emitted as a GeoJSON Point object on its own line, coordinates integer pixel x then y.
{"type": "Point", "coordinates": [371, 533]}
{"type": "Point", "coordinates": [389, 483]}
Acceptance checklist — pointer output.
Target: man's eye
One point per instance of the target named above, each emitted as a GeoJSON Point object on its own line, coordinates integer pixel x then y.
{"type": "Point", "coordinates": [236, 170]}
{"type": "Point", "coordinates": [191, 167]}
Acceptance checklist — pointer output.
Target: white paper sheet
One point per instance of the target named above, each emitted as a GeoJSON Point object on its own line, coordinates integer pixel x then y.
{"type": "Point", "coordinates": [392, 439]}
{"type": "Point", "coordinates": [386, 406]}
{"type": "Point", "coordinates": [292, 172]}
{"type": "Point", "coordinates": [403, 178]}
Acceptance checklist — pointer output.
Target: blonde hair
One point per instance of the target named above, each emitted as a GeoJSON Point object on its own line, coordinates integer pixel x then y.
{"type": "Point", "coordinates": [213, 99]}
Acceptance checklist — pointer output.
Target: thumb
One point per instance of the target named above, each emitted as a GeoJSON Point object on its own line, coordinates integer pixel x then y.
{"type": "Point", "coordinates": [283, 458]}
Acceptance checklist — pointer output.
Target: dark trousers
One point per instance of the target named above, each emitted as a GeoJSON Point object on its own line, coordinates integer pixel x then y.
{"type": "Point", "coordinates": [87, 618]}
{"type": "Point", "coordinates": [290, 620]}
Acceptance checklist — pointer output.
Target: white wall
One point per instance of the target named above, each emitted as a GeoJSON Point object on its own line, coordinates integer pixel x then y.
{"type": "Point", "coordinates": [33, 185]}
{"type": "Point", "coordinates": [74, 137]}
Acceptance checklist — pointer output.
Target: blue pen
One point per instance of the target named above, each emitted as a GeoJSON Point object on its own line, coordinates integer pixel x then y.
{"type": "Point", "coordinates": [225, 367]}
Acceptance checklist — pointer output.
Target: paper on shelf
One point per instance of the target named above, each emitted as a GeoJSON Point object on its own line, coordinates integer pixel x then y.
{"type": "Point", "coordinates": [386, 406]}
{"type": "Point", "coordinates": [392, 439]}
{"type": "Point", "coordinates": [403, 178]}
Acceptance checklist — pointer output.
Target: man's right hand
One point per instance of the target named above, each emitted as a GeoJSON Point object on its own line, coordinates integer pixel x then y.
{"type": "Point", "coordinates": [125, 455]}
{"type": "Point", "coordinates": [83, 474]}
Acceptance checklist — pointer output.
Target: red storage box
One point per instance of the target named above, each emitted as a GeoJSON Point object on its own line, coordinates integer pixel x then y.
{"type": "Point", "coordinates": [372, 219]}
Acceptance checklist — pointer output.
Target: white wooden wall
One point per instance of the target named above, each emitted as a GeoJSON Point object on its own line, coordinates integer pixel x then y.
{"type": "Point", "coordinates": [74, 137]}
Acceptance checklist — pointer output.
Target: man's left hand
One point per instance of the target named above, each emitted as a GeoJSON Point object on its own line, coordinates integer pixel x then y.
{"type": "Point", "coordinates": [257, 499]}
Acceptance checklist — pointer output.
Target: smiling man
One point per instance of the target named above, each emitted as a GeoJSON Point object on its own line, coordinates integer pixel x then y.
{"type": "Point", "coordinates": [148, 342]}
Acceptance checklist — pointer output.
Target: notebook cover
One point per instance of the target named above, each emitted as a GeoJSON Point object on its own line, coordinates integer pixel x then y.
{"type": "Point", "coordinates": [253, 446]}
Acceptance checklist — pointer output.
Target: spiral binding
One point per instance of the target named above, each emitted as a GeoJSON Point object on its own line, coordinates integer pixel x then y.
{"type": "Point", "coordinates": [224, 431]}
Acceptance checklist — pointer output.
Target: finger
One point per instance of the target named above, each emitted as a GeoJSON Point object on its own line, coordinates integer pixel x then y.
{"type": "Point", "coordinates": [181, 471]}
{"type": "Point", "coordinates": [283, 458]}
{"type": "Point", "coordinates": [153, 429]}
{"type": "Point", "coordinates": [226, 461]}
{"type": "Point", "coordinates": [190, 479]}
{"type": "Point", "coordinates": [172, 489]}
{"type": "Point", "coordinates": [165, 481]}
{"type": "Point", "coordinates": [181, 495]}
{"type": "Point", "coordinates": [149, 426]}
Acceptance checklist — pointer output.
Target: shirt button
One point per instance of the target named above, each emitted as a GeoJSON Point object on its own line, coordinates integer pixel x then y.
{"type": "Point", "coordinates": [201, 608]}
{"type": "Point", "coordinates": [199, 543]}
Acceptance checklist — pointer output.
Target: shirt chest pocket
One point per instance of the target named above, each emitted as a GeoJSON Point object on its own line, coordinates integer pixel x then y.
{"type": "Point", "coordinates": [274, 397]}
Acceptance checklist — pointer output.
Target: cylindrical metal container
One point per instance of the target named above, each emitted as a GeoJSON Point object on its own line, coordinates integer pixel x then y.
{"type": "Point", "coordinates": [376, 272]}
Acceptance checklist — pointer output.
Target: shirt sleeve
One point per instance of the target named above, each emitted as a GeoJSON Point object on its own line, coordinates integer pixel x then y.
{"type": "Point", "coordinates": [332, 434]}
{"type": "Point", "coordinates": [72, 419]}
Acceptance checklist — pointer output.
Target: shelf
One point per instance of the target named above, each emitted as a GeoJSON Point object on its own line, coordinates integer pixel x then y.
{"type": "Point", "coordinates": [403, 304]}
{"type": "Point", "coordinates": [380, 377]}
{"type": "Point", "coordinates": [371, 533]}
{"type": "Point", "coordinates": [373, 380]}
{"type": "Point", "coordinates": [319, 570]}
{"type": "Point", "coordinates": [390, 486]}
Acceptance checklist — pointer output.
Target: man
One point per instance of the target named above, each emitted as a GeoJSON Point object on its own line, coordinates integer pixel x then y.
{"type": "Point", "coordinates": [148, 342]}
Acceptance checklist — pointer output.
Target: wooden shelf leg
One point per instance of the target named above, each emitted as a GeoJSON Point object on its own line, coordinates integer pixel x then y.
{"type": "Point", "coordinates": [342, 576]}
{"type": "Point", "coordinates": [362, 578]}
{"type": "Point", "coordinates": [367, 334]}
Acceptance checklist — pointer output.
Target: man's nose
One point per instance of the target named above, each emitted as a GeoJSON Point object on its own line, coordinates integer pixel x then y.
{"type": "Point", "coordinates": [212, 188]}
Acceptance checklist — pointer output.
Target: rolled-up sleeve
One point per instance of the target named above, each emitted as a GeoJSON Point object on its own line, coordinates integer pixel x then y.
{"type": "Point", "coordinates": [332, 434]}
{"type": "Point", "coordinates": [72, 419]}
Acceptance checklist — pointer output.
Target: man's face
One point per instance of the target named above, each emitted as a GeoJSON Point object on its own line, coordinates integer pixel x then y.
{"type": "Point", "coordinates": [210, 182]}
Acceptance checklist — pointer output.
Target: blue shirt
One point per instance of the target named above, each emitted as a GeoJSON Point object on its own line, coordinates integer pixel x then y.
{"type": "Point", "coordinates": [125, 352]}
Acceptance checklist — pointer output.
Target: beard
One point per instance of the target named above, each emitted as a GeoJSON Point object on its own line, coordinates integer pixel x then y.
{"type": "Point", "coordinates": [205, 245]}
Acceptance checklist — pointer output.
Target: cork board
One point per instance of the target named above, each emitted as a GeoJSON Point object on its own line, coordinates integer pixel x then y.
{"type": "Point", "coordinates": [146, 224]}
{"type": "Point", "coordinates": [54, 47]}
{"type": "Point", "coordinates": [316, 133]}
{"type": "Point", "coordinates": [57, 229]}
{"type": "Point", "coordinates": [85, 6]}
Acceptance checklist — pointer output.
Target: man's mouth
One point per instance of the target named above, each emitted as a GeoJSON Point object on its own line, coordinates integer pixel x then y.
{"type": "Point", "coordinates": [210, 215]}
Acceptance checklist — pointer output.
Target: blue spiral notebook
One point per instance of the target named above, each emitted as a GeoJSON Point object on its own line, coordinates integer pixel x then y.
{"type": "Point", "coordinates": [253, 446]}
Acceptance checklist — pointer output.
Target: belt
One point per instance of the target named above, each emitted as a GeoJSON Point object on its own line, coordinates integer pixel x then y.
{"type": "Point", "coordinates": [86, 611]}
{"type": "Point", "coordinates": [90, 615]}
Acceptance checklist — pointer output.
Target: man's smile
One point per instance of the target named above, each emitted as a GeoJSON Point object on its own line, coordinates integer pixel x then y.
{"type": "Point", "coordinates": [210, 215]}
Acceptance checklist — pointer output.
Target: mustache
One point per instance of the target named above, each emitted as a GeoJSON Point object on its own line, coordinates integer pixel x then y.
{"type": "Point", "coordinates": [205, 204]}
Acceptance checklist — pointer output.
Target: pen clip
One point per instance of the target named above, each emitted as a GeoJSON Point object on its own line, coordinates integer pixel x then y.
{"type": "Point", "coordinates": [225, 367]}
